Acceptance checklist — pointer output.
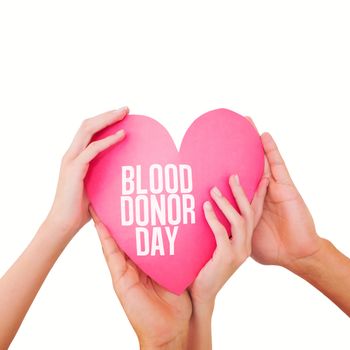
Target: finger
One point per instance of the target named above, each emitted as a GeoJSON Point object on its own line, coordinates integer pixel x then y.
{"type": "Point", "coordinates": [266, 164]}
{"type": "Point", "coordinates": [216, 226]}
{"type": "Point", "coordinates": [227, 209]}
{"type": "Point", "coordinates": [267, 170]}
{"type": "Point", "coordinates": [240, 197]}
{"type": "Point", "coordinates": [102, 229]}
{"type": "Point", "coordinates": [114, 257]}
{"type": "Point", "coordinates": [93, 214]}
{"type": "Point", "coordinates": [258, 200]}
{"type": "Point", "coordinates": [92, 125]}
{"type": "Point", "coordinates": [106, 239]}
{"type": "Point", "coordinates": [277, 166]}
{"type": "Point", "coordinates": [96, 147]}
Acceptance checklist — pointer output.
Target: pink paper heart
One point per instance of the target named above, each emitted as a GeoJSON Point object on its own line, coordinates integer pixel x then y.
{"type": "Point", "coordinates": [217, 144]}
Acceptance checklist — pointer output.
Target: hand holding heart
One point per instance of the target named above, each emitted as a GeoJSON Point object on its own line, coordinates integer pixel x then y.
{"type": "Point", "coordinates": [159, 317]}
{"type": "Point", "coordinates": [149, 194]}
{"type": "Point", "coordinates": [229, 254]}
{"type": "Point", "coordinates": [69, 210]}
{"type": "Point", "coordinates": [231, 251]}
{"type": "Point", "coordinates": [284, 231]}
{"type": "Point", "coordinates": [286, 234]}
{"type": "Point", "coordinates": [145, 301]}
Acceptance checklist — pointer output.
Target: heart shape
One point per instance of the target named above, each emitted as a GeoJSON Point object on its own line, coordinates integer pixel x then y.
{"type": "Point", "coordinates": [150, 195]}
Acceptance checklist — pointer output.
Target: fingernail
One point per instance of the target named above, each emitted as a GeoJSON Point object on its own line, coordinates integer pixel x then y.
{"type": "Point", "coordinates": [207, 205]}
{"type": "Point", "coordinates": [120, 133]}
{"type": "Point", "coordinates": [121, 109]}
{"type": "Point", "coordinates": [234, 180]}
{"type": "Point", "coordinates": [216, 191]}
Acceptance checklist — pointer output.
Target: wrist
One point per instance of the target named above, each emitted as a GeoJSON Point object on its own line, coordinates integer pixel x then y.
{"type": "Point", "coordinates": [200, 326]}
{"type": "Point", "coordinates": [310, 265]}
{"type": "Point", "coordinates": [58, 227]}
{"type": "Point", "coordinates": [203, 310]}
{"type": "Point", "coordinates": [176, 343]}
{"type": "Point", "coordinates": [328, 271]}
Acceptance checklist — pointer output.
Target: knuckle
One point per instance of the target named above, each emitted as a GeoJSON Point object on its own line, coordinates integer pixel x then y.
{"type": "Point", "coordinates": [237, 224]}
{"type": "Point", "coordinates": [65, 158]}
{"type": "Point", "coordinates": [64, 161]}
{"type": "Point", "coordinates": [220, 229]}
{"type": "Point", "coordinates": [86, 125]}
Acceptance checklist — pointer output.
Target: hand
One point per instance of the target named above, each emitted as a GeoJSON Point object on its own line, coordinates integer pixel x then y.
{"type": "Point", "coordinates": [70, 207]}
{"type": "Point", "coordinates": [286, 232]}
{"type": "Point", "coordinates": [229, 254]}
{"type": "Point", "coordinates": [21, 283]}
{"type": "Point", "coordinates": [286, 235]}
{"type": "Point", "coordinates": [159, 318]}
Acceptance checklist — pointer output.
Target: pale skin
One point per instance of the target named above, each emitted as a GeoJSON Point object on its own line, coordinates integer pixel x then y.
{"type": "Point", "coordinates": [285, 235]}
{"type": "Point", "coordinates": [159, 318]}
{"type": "Point", "coordinates": [190, 326]}
{"type": "Point", "coordinates": [69, 212]}
{"type": "Point", "coordinates": [229, 254]}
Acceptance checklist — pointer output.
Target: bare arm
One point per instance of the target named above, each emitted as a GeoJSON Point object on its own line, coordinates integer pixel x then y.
{"type": "Point", "coordinates": [200, 336]}
{"type": "Point", "coordinates": [286, 235]}
{"type": "Point", "coordinates": [229, 254]}
{"type": "Point", "coordinates": [160, 318]}
{"type": "Point", "coordinates": [328, 270]}
{"type": "Point", "coordinates": [21, 283]}
{"type": "Point", "coordinates": [69, 212]}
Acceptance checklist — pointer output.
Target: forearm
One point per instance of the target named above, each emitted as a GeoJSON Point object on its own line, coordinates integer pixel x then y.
{"type": "Point", "coordinates": [178, 343]}
{"type": "Point", "coordinates": [329, 271]}
{"type": "Point", "coordinates": [21, 283]}
{"type": "Point", "coordinates": [200, 327]}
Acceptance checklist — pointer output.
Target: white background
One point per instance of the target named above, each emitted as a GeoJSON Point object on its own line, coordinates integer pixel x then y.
{"type": "Point", "coordinates": [285, 63]}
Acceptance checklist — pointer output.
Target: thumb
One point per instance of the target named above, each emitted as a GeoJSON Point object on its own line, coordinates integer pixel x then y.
{"type": "Point", "coordinates": [258, 200]}
{"type": "Point", "coordinates": [278, 168]}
